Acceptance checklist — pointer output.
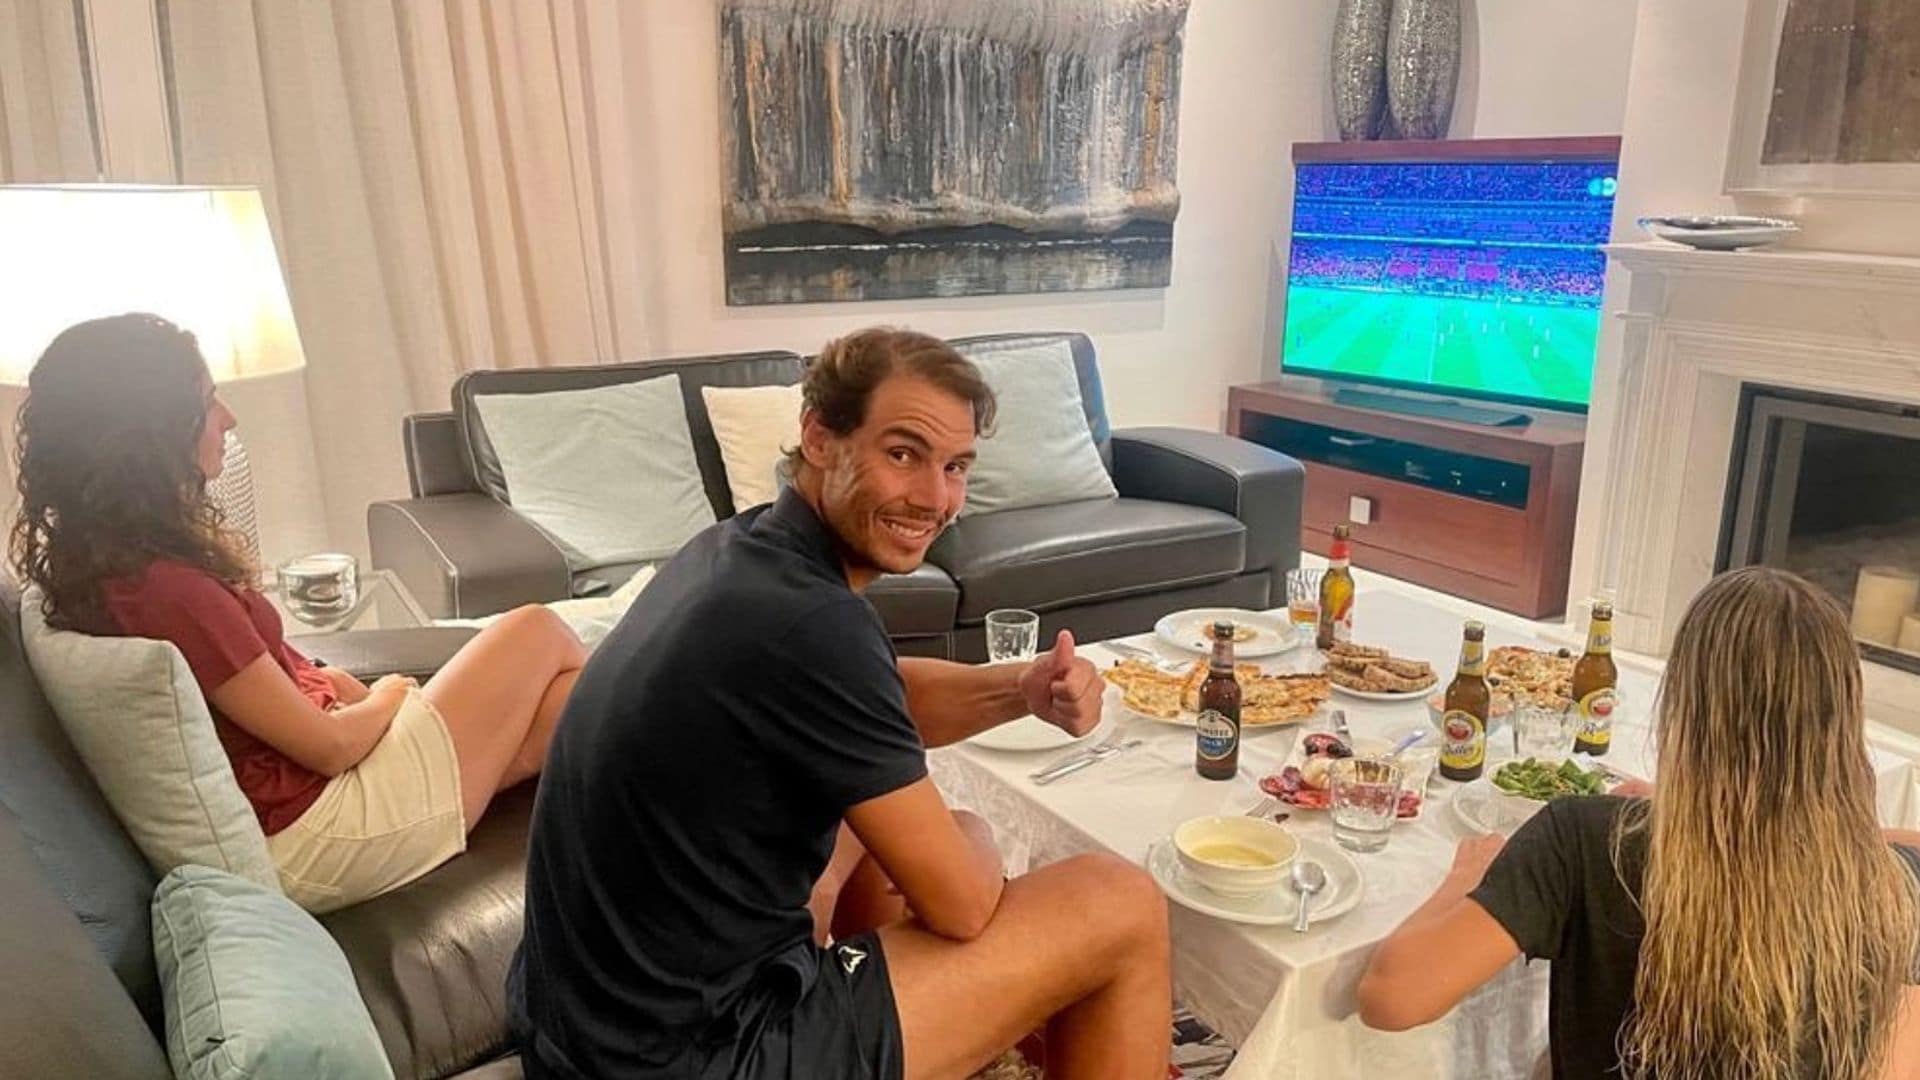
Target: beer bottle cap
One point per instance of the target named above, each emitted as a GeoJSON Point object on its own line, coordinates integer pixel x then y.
{"type": "Point", "coordinates": [1342, 532]}
{"type": "Point", "coordinates": [1476, 630]}
{"type": "Point", "coordinates": [1603, 609]}
{"type": "Point", "coordinates": [1222, 629]}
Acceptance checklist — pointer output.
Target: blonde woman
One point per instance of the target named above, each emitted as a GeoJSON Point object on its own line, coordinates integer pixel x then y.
{"type": "Point", "coordinates": [1748, 919]}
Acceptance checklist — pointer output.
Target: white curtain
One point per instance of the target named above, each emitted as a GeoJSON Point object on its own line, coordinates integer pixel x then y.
{"type": "Point", "coordinates": [46, 132]}
{"type": "Point", "coordinates": [447, 179]}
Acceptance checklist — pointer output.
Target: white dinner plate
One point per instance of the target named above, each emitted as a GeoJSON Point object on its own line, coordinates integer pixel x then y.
{"type": "Point", "coordinates": [1486, 809]}
{"type": "Point", "coordinates": [1416, 764]}
{"type": "Point", "coordinates": [1025, 734]}
{"type": "Point", "coordinates": [1272, 634]}
{"type": "Point", "coordinates": [1381, 695]}
{"type": "Point", "coordinates": [1268, 909]}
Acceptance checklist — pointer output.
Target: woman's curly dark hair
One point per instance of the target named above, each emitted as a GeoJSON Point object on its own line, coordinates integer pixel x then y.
{"type": "Point", "coordinates": [107, 466]}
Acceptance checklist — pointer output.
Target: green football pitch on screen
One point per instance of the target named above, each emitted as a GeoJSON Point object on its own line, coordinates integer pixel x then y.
{"type": "Point", "coordinates": [1508, 347]}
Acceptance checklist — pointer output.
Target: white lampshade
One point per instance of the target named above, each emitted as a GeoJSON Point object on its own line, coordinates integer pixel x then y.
{"type": "Point", "coordinates": [201, 257]}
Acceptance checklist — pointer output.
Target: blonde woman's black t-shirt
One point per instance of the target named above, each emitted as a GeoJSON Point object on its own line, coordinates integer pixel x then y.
{"type": "Point", "coordinates": [1556, 891]}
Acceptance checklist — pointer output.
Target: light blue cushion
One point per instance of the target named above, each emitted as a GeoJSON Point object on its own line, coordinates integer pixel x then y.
{"type": "Point", "coordinates": [254, 988]}
{"type": "Point", "coordinates": [608, 472]}
{"type": "Point", "coordinates": [1041, 451]}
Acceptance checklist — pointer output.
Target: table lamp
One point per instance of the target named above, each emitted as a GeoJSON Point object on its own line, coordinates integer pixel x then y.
{"type": "Point", "coordinates": [201, 257]}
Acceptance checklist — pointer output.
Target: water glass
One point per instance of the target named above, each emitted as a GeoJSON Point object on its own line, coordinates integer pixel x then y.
{"type": "Point", "coordinates": [1012, 634]}
{"type": "Point", "coordinates": [1303, 599]}
{"type": "Point", "coordinates": [1366, 801]}
{"type": "Point", "coordinates": [320, 588]}
{"type": "Point", "coordinates": [1543, 732]}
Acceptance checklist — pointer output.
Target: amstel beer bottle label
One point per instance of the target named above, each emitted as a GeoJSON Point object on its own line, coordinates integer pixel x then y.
{"type": "Point", "coordinates": [1463, 740]}
{"type": "Point", "coordinates": [1217, 735]}
{"type": "Point", "coordinates": [1596, 717]}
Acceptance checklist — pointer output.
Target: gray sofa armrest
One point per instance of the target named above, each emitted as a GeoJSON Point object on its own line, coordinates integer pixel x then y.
{"type": "Point", "coordinates": [466, 555]}
{"type": "Point", "coordinates": [1261, 487]}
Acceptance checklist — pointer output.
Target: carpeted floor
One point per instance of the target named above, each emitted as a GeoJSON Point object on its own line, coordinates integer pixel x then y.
{"type": "Point", "coordinates": [1197, 1054]}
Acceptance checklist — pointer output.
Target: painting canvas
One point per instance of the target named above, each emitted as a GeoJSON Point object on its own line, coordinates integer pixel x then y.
{"type": "Point", "coordinates": [885, 149]}
{"type": "Point", "coordinates": [1829, 99]}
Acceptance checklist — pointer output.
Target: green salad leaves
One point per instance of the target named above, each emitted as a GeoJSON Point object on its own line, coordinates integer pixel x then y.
{"type": "Point", "coordinates": [1535, 779]}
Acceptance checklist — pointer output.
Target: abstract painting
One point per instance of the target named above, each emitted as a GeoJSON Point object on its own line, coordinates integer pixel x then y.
{"type": "Point", "coordinates": [886, 149]}
{"type": "Point", "coordinates": [1830, 98]}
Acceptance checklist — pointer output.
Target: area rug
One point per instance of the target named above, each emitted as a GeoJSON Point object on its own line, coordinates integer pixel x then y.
{"type": "Point", "coordinates": [1197, 1054]}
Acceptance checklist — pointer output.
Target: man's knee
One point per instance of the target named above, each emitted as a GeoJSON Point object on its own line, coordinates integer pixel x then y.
{"type": "Point", "coordinates": [1127, 895]}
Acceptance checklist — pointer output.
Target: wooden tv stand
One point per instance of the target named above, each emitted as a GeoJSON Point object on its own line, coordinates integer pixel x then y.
{"type": "Point", "coordinates": [1484, 513]}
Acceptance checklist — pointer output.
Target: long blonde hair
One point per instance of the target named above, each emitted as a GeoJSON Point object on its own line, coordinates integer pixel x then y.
{"type": "Point", "coordinates": [1780, 927]}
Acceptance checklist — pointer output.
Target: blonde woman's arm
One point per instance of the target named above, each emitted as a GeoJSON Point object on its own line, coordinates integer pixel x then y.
{"type": "Point", "coordinates": [264, 702]}
{"type": "Point", "coordinates": [1443, 951]}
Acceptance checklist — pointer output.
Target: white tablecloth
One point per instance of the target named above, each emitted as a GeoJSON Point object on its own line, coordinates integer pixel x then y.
{"type": "Point", "coordinates": [1286, 1000]}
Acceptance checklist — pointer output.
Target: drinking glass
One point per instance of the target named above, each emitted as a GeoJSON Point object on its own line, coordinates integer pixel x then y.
{"type": "Point", "coordinates": [1543, 732]}
{"type": "Point", "coordinates": [1303, 600]}
{"type": "Point", "coordinates": [320, 588]}
{"type": "Point", "coordinates": [1366, 800]}
{"type": "Point", "coordinates": [1012, 634]}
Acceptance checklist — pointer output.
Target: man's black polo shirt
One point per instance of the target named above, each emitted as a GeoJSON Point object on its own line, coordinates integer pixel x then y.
{"type": "Point", "coordinates": [714, 742]}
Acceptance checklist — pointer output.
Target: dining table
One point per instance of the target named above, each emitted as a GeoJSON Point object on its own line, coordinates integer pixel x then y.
{"type": "Point", "coordinates": [1286, 1000]}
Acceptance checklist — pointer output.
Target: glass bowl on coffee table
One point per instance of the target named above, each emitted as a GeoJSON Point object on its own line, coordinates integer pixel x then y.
{"type": "Point", "coordinates": [326, 593]}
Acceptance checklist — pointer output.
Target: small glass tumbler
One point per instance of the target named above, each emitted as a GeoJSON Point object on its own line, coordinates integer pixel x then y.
{"type": "Point", "coordinates": [1303, 599]}
{"type": "Point", "coordinates": [1544, 732]}
{"type": "Point", "coordinates": [320, 588]}
{"type": "Point", "coordinates": [1366, 801]}
{"type": "Point", "coordinates": [1012, 634]}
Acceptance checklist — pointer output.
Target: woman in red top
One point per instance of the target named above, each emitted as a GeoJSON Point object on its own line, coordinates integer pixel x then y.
{"type": "Point", "coordinates": [359, 789]}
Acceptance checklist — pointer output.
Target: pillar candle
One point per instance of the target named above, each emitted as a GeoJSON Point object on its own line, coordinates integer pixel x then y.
{"type": "Point", "coordinates": [1909, 634]}
{"type": "Point", "coordinates": [1882, 597]}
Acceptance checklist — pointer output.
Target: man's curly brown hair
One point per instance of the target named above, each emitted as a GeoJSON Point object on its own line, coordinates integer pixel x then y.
{"type": "Point", "coordinates": [841, 380]}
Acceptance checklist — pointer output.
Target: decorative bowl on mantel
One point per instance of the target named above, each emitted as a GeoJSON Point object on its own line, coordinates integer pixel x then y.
{"type": "Point", "coordinates": [1719, 232]}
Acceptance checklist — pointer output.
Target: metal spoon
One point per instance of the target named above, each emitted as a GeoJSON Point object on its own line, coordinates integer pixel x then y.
{"type": "Point", "coordinates": [1307, 878]}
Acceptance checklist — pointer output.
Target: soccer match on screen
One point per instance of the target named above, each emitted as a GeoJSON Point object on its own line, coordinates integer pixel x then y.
{"type": "Point", "coordinates": [1477, 277]}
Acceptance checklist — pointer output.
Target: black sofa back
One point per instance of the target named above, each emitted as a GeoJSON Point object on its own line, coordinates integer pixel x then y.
{"type": "Point", "coordinates": [76, 945]}
{"type": "Point", "coordinates": [449, 452]}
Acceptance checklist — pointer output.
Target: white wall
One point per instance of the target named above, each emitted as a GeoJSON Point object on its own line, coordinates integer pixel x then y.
{"type": "Point", "coordinates": [1254, 82]}
{"type": "Point", "coordinates": [1543, 67]}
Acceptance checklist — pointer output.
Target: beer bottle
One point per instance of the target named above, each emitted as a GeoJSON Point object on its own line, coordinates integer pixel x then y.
{"type": "Point", "coordinates": [1463, 723]}
{"type": "Point", "coordinates": [1594, 678]}
{"type": "Point", "coordinates": [1336, 592]}
{"type": "Point", "coordinates": [1217, 756]}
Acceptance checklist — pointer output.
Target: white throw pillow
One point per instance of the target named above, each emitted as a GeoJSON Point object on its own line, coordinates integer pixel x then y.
{"type": "Point", "coordinates": [608, 472]}
{"type": "Point", "coordinates": [133, 712]}
{"type": "Point", "coordinates": [1041, 451]}
{"type": "Point", "coordinates": [754, 425]}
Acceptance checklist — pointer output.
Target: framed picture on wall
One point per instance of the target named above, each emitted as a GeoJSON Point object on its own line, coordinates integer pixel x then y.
{"type": "Point", "coordinates": [1828, 100]}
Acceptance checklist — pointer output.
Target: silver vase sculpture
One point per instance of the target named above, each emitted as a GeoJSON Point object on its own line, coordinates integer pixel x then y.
{"type": "Point", "coordinates": [1423, 66]}
{"type": "Point", "coordinates": [1360, 68]}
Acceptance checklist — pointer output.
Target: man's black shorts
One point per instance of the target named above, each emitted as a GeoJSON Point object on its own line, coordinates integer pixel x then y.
{"type": "Point", "coordinates": [844, 1026]}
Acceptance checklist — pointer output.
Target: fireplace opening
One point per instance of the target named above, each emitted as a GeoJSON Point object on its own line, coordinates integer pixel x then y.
{"type": "Point", "coordinates": [1829, 487]}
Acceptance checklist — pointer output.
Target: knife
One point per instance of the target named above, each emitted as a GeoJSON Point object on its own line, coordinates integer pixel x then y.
{"type": "Point", "coordinates": [1074, 764]}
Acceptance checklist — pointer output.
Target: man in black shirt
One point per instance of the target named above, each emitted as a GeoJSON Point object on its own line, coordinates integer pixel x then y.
{"type": "Point", "coordinates": [688, 852]}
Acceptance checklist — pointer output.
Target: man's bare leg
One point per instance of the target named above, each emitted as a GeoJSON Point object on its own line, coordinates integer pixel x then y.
{"type": "Point", "coordinates": [1079, 946]}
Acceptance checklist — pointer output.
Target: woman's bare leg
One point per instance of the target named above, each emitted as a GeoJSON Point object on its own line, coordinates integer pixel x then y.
{"type": "Point", "coordinates": [501, 696]}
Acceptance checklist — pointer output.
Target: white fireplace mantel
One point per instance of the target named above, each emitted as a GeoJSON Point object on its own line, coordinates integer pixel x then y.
{"type": "Point", "coordinates": [1693, 328]}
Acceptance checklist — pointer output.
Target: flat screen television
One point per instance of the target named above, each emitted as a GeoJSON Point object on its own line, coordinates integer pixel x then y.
{"type": "Point", "coordinates": [1466, 268]}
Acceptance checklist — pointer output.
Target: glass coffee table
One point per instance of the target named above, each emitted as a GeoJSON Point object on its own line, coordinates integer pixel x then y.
{"type": "Point", "coordinates": [384, 603]}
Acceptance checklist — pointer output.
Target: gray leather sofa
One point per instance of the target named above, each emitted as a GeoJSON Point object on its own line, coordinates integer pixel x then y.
{"type": "Point", "coordinates": [76, 949]}
{"type": "Point", "coordinates": [1203, 519]}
